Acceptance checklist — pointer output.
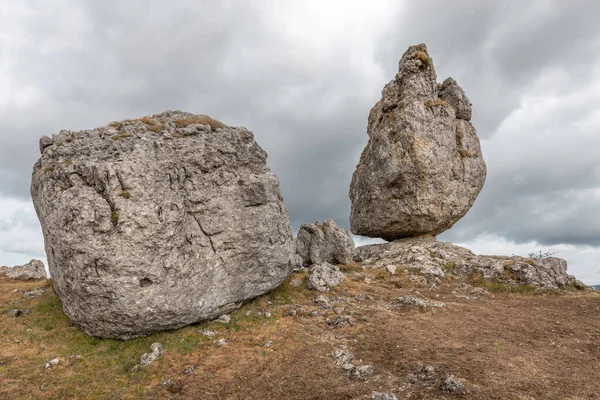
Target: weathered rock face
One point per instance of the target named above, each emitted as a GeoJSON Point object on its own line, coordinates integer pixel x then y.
{"type": "Point", "coordinates": [160, 222]}
{"type": "Point", "coordinates": [324, 242]}
{"type": "Point", "coordinates": [422, 167]}
{"type": "Point", "coordinates": [426, 256]}
{"type": "Point", "coordinates": [34, 269]}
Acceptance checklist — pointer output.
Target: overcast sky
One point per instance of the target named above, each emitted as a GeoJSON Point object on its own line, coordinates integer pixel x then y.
{"type": "Point", "coordinates": [303, 75]}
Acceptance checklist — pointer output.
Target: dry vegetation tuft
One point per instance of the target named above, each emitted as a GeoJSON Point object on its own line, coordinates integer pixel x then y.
{"type": "Point", "coordinates": [464, 153]}
{"type": "Point", "coordinates": [424, 58]}
{"type": "Point", "coordinates": [203, 120]}
{"type": "Point", "coordinates": [436, 103]}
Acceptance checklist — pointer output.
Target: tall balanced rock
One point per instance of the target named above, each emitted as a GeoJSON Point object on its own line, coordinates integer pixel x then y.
{"type": "Point", "coordinates": [422, 167]}
{"type": "Point", "coordinates": [160, 222]}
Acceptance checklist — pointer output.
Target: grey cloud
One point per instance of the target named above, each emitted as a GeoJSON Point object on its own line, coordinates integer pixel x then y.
{"type": "Point", "coordinates": [310, 113]}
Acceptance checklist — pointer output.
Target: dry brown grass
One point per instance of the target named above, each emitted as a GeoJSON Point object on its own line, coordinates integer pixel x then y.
{"type": "Point", "coordinates": [203, 120]}
{"type": "Point", "coordinates": [116, 124]}
{"type": "Point", "coordinates": [507, 346]}
{"type": "Point", "coordinates": [436, 103]}
{"type": "Point", "coordinates": [148, 121]}
{"type": "Point", "coordinates": [424, 58]}
{"type": "Point", "coordinates": [155, 128]}
{"type": "Point", "coordinates": [464, 153]}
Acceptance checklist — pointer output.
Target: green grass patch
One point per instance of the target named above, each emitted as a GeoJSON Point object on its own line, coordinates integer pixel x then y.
{"type": "Point", "coordinates": [114, 217]}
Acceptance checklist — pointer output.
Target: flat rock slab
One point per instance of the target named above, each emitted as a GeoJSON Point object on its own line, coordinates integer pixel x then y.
{"type": "Point", "coordinates": [159, 222]}
{"type": "Point", "coordinates": [425, 255]}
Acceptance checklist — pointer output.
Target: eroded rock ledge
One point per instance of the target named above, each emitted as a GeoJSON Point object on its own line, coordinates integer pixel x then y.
{"type": "Point", "coordinates": [427, 256]}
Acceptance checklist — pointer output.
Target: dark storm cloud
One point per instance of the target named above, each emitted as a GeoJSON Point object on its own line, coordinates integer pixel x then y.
{"type": "Point", "coordinates": [307, 101]}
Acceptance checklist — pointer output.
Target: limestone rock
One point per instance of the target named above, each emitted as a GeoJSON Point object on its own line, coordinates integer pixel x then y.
{"type": "Point", "coordinates": [34, 269]}
{"type": "Point", "coordinates": [453, 385]}
{"type": "Point", "coordinates": [324, 242]}
{"type": "Point", "coordinates": [324, 276]}
{"type": "Point", "coordinates": [413, 301]}
{"type": "Point", "coordinates": [45, 141]}
{"type": "Point", "coordinates": [148, 358]}
{"type": "Point", "coordinates": [422, 167]}
{"type": "Point", "coordinates": [428, 257]}
{"type": "Point", "coordinates": [156, 223]}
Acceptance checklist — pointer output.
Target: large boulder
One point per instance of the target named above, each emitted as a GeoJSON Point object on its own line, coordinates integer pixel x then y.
{"type": "Point", "coordinates": [159, 222]}
{"type": "Point", "coordinates": [34, 269]}
{"type": "Point", "coordinates": [426, 256]}
{"type": "Point", "coordinates": [327, 242]}
{"type": "Point", "coordinates": [422, 167]}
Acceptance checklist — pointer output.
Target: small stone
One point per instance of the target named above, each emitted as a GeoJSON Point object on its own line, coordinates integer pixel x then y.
{"type": "Point", "coordinates": [222, 342]}
{"type": "Point", "coordinates": [51, 363]}
{"type": "Point", "coordinates": [383, 396]}
{"type": "Point", "coordinates": [207, 333]}
{"type": "Point", "coordinates": [338, 310]}
{"type": "Point", "coordinates": [166, 383]}
{"type": "Point", "coordinates": [248, 313]}
{"type": "Point", "coordinates": [76, 357]}
{"type": "Point", "coordinates": [259, 314]}
{"type": "Point", "coordinates": [268, 344]}
{"type": "Point", "coordinates": [224, 319]}
{"type": "Point", "coordinates": [148, 358]}
{"type": "Point", "coordinates": [268, 314]}
{"type": "Point", "coordinates": [34, 293]}
{"type": "Point", "coordinates": [18, 312]}
{"type": "Point", "coordinates": [290, 312]}
{"type": "Point", "coordinates": [341, 322]}
{"type": "Point", "coordinates": [342, 357]}
{"type": "Point", "coordinates": [452, 385]}
{"type": "Point", "coordinates": [189, 370]}
{"type": "Point", "coordinates": [413, 301]}
{"type": "Point", "coordinates": [361, 371]}
{"type": "Point", "coordinates": [45, 141]}
{"type": "Point", "coordinates": [296, 282]}
{"type": "Point", "coordinates": [322, 301]}
{"type": "Point", "coordinates": [324, 276]}
{"type": "Point", "coordinates": [391, 269]}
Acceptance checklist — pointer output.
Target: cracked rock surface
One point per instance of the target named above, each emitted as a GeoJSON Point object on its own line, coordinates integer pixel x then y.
{"type": "Point", "coordinates": [422, 168]}
{"type": "Point", "coordinates": [156, 223]}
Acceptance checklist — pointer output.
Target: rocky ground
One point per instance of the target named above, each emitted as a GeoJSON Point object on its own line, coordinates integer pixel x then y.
{"type": "Point", "coordinates": [377, 332]}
